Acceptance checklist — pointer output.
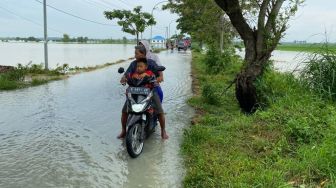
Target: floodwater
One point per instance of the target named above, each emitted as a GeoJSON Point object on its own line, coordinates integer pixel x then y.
{"type": "Point", "coordinates": [80, 55]}
{"type": "Point", "coordinates": [63, 134]}
{"type": "Point", "coordinates": [286, 61]}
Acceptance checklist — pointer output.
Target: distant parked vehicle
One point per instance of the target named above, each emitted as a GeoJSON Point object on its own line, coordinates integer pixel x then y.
{"type": "Point", "coordinates": [181, 45]}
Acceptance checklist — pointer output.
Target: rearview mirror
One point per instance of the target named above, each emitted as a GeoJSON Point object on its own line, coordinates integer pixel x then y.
{"type": "Point", "coordinates": [121, 70]}
{"type": "Point", "coordinates": [160, 68]}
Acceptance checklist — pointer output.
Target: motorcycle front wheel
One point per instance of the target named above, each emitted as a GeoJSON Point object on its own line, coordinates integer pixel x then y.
{"type": "Point", "coordinates": [134, 143]}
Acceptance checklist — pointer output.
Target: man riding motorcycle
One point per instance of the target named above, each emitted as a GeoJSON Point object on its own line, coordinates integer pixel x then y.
{"type": "Point", "coordinates": [140, 53]}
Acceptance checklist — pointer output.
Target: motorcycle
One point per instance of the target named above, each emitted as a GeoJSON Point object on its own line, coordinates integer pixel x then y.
{"type": "Point", "coordinates": [142, 119]}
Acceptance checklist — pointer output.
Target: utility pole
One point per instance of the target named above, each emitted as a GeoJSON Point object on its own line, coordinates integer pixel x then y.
{"type": "Point", "coordinates": [45, 35]}
{"type": "Point", "coordinates": [151, 28]}
{"type": "Point", "coordinates": [169, 35]}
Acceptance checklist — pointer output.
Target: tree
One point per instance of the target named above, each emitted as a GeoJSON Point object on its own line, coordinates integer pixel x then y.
{"type": "Point", "coordinates": [261, 29]}
{"type": "Point", "coordinates": [132, 22]}
{"type": "Point", "coordinates": [201, 19]}
{"type": "Point", "coordinates": [32, 39]}
{"type": "Point", "coordinates": [124, 40]}
{"type": "Point", "coordinates": [66, 38]}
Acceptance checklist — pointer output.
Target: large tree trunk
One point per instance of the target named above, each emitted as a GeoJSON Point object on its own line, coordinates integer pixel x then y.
{"type": "Point", "coordinates": [137, 39]}
{"type": "Point", "coordinates": [246, 92]}
{"type": "Point", "coordinates": [256, 52]}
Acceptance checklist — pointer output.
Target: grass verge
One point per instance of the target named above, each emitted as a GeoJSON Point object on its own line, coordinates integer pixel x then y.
{"type": "Point", "coordinates": [291, 143]}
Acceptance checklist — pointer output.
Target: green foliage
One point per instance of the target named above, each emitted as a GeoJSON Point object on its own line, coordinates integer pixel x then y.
{"type": "Point", "coordinates": [291, 143]}
{"type": "Point", "coordinates": [305, 47]}
{"type": "Point", "coordinates": [8, 84]}
{"type": "Point", "coordinates": [218, 61]}
{"type": "Point", "coordinates": [210, 94]}
{"type": "Point", "coordinates": [66, 38]}
{"type": "Point", "coordinates": [36, 82]}
{"type": "Point", "coordinates": [320, 72]}
{"type": "Point", "coordinates": [202, 20]}
{"type": "Point", "coordinates": [14, 75]}
{"type": "Point", "coordinates": [132, 22]}
{"type": "Point", "coordinates": [15, 79]}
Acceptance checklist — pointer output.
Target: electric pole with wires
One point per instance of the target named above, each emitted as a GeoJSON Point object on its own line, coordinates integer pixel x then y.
{"type": "Point", "coordinates": [45, 35]}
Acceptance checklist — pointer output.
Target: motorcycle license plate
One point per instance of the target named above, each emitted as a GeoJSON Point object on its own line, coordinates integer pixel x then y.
{"type": "Point", "coordinates": [138, 90]}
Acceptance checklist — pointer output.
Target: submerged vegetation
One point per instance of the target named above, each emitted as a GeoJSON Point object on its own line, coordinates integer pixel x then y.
{"type": "Point", "coordinates": [34, 75]}
{"type": "Point", "coordinates": [29, 75]}
{"type": "Point", "coordinates": [289, 143]}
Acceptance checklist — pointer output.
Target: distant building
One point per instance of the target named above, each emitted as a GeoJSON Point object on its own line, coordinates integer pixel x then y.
{"type": "Point", "coordinates": [300, 42]}
{"type": "Point", "coordinates": [158, 40]}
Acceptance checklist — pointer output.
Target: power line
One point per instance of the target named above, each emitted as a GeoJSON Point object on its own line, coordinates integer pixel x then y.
{"type": "Point", "coordinates": [75, 16]}
{"type": "Point", "coordinates": [102, 5]}
{"type": "Point", "coordinates": [29, 20]}
{"type": "Point", "coordinates": [111, 4]}
{"type": "Point", "coordinates": [126, 3]}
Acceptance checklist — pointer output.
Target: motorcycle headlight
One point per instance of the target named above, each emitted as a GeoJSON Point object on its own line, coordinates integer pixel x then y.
{"type": "Point", "coordinates": [138, 107]}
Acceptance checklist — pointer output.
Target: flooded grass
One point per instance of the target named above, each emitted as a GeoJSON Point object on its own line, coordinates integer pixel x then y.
{"type": "Point", "coordinates": [304, 47]}
{"type": "Point", "coordinates": [34, 75]}
{"type": "Point", "coordinates": [290, 143]}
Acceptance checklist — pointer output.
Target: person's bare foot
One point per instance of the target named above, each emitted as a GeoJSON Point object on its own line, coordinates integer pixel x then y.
{"type": "Point", "coordinates": [164, 135]}
{"type": "Point", "coordinates": [122, 135]}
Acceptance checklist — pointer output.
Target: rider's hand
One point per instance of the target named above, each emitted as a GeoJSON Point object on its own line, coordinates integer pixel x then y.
{"type": "Point", "coordinates": [141, 76]}
{"type": "Point", "coordinates": [159, 79]}
{"type": "Point", "coordinates": [123, 80]}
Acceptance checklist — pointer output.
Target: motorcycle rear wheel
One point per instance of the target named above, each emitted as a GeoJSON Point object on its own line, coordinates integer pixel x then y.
{"type": "Point", "coordinates": [134, 143]}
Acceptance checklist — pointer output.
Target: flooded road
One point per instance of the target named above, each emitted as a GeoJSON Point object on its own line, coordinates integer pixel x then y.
{"type": "Point", "coordinates": [63, 134]}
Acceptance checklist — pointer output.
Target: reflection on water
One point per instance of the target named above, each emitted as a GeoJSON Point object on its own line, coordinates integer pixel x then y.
{"type": "Point", "coordinates": [63, 134]}
{"type": "Point", "coordinates": [73, 54]}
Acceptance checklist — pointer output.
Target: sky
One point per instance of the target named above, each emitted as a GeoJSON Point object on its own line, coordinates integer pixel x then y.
{"type": "Point", "coordinates": [311, 22]}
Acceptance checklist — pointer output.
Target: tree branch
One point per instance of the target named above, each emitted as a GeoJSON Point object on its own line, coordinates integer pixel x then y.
{"type": "Point", "coordinates": [261, 27]}
{"type": "Point", "coordinates": [233, 10]}
{"type": "Point", "coordinates": [274, 12]}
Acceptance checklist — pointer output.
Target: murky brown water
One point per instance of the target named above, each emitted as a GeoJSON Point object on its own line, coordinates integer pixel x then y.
{"type": "Point", "coordinates": [63, 134]}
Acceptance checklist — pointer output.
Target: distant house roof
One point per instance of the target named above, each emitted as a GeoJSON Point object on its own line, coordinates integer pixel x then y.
{"type": "Point", "coordinates": [158, 38]}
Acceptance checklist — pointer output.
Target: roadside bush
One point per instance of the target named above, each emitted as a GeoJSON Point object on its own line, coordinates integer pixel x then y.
{"type": "Point", "coordinates": [196, 47]}
{"type": "Point", "coordinates": [61, 69]}
{"type": "Point", "coordinates": [320, 72]}
{"type": "Point", "coordinates": [14, 75]}
{"type": "Point", "coordinates": [211, 94]}
{"type": "Point", "coordinates": [289, 144]}
{"type": "Point", "coordinates": [273, 85]}
{"type": "Point", "coordinates": [217, 61]}
{"type": "Point", "coordinates": [36, 69]}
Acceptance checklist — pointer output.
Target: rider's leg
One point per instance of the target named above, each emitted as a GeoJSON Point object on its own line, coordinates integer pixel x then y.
{"type": "Point", "coordinates": [159, 110]}
{"type": "Point", "coordinates": [124, 117]}
{"type": "Point", "coordinates": [162, 121]}
{"type": "Point", "coordinates": [160, 92]}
